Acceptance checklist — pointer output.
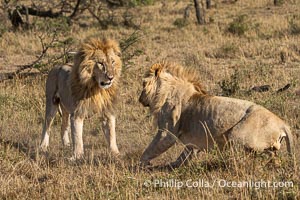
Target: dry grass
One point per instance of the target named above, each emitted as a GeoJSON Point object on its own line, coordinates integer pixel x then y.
{"type": "Point", "coordinates": [268, 52]}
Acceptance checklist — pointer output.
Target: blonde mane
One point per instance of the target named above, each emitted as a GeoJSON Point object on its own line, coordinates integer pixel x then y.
{"type": "Point", "coordinates": [187, 74]}
{"type": "Point", "coordinates": [84, 89]}
{"type": "Point", "coordinates": [172, 77]}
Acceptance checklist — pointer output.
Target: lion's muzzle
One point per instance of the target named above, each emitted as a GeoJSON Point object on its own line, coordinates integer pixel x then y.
{"type": "Point", "coordinates": [143, 98]}
{"type": "Point", "coordinates": [105, 84]}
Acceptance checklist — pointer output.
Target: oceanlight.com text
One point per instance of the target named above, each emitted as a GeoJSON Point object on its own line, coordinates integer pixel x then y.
{"type": "Point", "coordinates": [175, 183]}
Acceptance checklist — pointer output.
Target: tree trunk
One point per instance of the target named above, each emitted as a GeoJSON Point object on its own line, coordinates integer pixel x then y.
{"type": "Point", "coordinates": [200, 18]}
{"type": "Point", "coordinates": [208, 4]}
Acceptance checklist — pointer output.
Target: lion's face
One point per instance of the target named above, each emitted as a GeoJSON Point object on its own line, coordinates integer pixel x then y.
{"type": "Point", "coordinates": [148, 93]}
{"type": "Point", "coordinates": [162, 74]}
{"type": "Point", "coordinates": [143, 97]}
{"type": "Point", "coordinates": [151, 84]}
{"type": "Point", "coordinates": [105, 69]}
{"type": "Point", "coordinates": [99, 63]}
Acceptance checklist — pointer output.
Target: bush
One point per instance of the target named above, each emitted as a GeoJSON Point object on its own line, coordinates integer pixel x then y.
{"type": "Point", "coordinates": [238, 26]}
{"type": "Point", "coordinates": [135, 3]}
{"type": "Point", "coordinates": [294, 27]}
{"type": "Point", "coordinates": [228, 50]}
{"type": "Point", "coordinates": [230, 86]}
{"type": "Point", "coordinates": [180, 22]}
{"type": "Point", "coordinates": [3, 29]}
{"type": "Point", "coordinates": [60, 24]}
{"type": "Point", "coordinates": [278, 2]}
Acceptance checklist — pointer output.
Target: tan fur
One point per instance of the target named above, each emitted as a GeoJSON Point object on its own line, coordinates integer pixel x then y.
{"type": "Point", "coordinates": [90, 85]}
{"type": "Point", "coordinates": [184, 111]}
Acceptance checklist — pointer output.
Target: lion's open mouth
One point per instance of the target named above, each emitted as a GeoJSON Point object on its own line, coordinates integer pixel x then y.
{"type": "Point", "coordinates": [105, 85]}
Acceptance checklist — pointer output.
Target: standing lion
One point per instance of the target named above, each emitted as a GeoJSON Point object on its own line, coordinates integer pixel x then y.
{"type": "Point", "coordinates": [184, 111]}
{"type": "Point", "coordinates": [89, 86]}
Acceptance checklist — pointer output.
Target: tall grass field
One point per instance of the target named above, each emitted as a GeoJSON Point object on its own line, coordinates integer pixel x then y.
{"type": "Point", "coordinates": [244, 45]}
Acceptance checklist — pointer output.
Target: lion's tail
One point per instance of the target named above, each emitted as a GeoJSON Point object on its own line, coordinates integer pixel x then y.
{"type": "Point", "coordinates": [289, 140]}
{"type": "Point", "coordinates": [290, 145]}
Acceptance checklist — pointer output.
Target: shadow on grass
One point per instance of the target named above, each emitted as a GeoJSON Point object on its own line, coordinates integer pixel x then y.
{"type": "Point", "coordinates": [33, 153]}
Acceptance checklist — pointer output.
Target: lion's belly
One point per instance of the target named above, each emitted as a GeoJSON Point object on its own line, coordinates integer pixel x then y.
{"type": "Point", "coordinates": [200, 137]}
{"type": "Point", "coordinates": [221, 117]}
{"type": "Point", "coordinates": [211, 119]}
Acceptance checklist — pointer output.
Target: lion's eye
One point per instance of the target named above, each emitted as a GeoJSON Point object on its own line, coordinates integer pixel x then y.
{"type": "Point", "coordinates": [112, 62]}
{"type": "Point", "coordinates": [100, 65]}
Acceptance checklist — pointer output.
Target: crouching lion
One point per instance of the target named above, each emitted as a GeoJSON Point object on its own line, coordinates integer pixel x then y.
{"type": "Point", "coordinates": [89, 86]}
{"type": "Point", "coordinates": [184, 111]}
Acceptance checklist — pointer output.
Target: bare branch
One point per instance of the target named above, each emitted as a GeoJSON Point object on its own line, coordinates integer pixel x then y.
{"type": "Point", "coordinates": [75, 9]}
{"type": "Point", "coordinates": [45, 47]}
{"type": "Point", "coordinates": [39, 13]}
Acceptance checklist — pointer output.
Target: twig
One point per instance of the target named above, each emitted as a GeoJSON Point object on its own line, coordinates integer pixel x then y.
{"type": "Point", "coordinates": [75, 9]}
{"type": "Point", "coordinates": [102, 23]}
{"type": "Point", "coordinates": [133, 38]}
{"type": "Point", "coordinates": [31, 11]}
{"type": "Point", "coordinates": [11, 75]}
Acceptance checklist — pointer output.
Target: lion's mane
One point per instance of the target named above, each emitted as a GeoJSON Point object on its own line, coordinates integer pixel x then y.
{"type": "Point", "coordinates": [187, 75]}
{"type": "Point", "coordinates": [84, 89]}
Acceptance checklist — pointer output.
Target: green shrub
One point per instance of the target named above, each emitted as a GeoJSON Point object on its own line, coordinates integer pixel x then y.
{"type": "Point", "coordinates": [278, 2]}
{"type": "Point", "coordinates": [238, 26]}
{"type": "Point", "coordinates": [135, 3]}
{"type": "Point", "coordinates": [228, 50]}
{"type": "Point", "coordinates": [230, 86]}
{"type": "Point", "coordinates": [60, 24]}
{"type": "Point", "coordinates": [294, 27]}
{"type": "Point", "coordinates": [180, 22]}
{"type": "Point", "coordinates": [3, 29]}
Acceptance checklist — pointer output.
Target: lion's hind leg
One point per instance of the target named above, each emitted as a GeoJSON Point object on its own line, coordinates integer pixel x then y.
{"type": "Point", "coordinates": [259, 130]}
{"type": "Point", "coordinates": [65, 127]}
{"type": "Point", "coordinates": [51, 110]}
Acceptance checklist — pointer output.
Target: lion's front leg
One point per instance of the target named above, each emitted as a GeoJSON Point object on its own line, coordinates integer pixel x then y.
{"type": "Point", "coordinates": [166, 135]}
{"type": "Point", "coordinates": [51, 110]}
{"type": "Point", "coordinates": [76, 131]}
{"type": "Point", "coordinates": [184, 157]}
{"type": "Point", "coordinates": [161, 143]}
{"type": "Point", "coordinates": [109, 129]}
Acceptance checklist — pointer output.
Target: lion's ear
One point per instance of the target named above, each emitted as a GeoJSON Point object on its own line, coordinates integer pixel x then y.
{"type": "Point", "coordinates": [114, 45]}
{"type": "Point", "coordinates": [78, 58]}
{"type": "Point", "coordinates": [156, 69]}
{"type": "Point", "coordinates": [157, 72]}
{"type": "Point", "coordinates": [117, 50]}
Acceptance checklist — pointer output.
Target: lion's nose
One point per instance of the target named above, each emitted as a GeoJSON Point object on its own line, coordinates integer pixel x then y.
{"type": "Point", "coordinates": [110, 77]}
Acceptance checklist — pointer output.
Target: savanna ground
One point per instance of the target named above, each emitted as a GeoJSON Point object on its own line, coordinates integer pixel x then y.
{"type": "Point", "coordinates": [244, 44]}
